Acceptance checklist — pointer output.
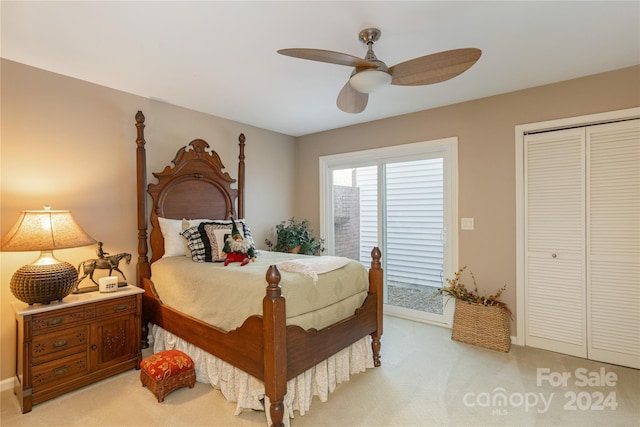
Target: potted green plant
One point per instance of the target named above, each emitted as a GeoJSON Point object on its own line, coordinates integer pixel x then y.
{"type": "Point", "coordinates": [296, 237]}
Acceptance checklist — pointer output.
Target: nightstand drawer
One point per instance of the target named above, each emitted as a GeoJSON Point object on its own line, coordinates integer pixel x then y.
{"type": "Point", "coordinates": [119, 306]}
{"type": "Point", "coordinates": [59, 344]}
{"type": "Point", "coordinates": [58, 371]}
{"type": "Point", "coordinates": [48, 321]}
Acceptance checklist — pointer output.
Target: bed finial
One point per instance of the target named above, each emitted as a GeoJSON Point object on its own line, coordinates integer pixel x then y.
{"type": "Point", "coordinates": [140, 127]}
{"type": "Point", "coordinates": [375, 257]}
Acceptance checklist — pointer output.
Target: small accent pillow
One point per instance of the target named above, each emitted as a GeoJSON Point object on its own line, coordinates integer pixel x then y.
{"type": "Point", "coordinates": [214, 243]}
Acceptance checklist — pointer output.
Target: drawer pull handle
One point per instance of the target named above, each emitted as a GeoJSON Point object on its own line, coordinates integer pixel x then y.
{"type": "Point", "coordinates": [61, 370]}
{"type": "Point", "coordinates": [54, 322]}
{"type": "Point", "coordinates": [60, 343]}
{"type": "Point", "coordinates": [121, 307]}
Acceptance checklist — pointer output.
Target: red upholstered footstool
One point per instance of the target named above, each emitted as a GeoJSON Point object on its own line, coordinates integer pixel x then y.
{"type": "Point", "coordinates": [166, 371]}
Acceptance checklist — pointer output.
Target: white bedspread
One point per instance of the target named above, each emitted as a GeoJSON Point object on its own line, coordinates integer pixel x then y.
{"type": "Point", "coordinates": [227, 296]}
{"type": "Point", "coordinates": [249, 393]}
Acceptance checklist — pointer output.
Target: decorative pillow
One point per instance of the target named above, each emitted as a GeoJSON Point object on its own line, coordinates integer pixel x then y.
{"type": "Point", "coordinates": [173, 241]}
{"type": "Point", "coordinates": [214, 243]}
{"type": "Point", "coordinates": [206, 241]}
{"type": "Point", "coordinates": [194, 241]}
{"type": "Point", "coordinates": [242, 225]}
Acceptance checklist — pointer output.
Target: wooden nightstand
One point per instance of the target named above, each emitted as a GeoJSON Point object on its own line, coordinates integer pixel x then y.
{"type": "Point", "coordinates": [67, 345]}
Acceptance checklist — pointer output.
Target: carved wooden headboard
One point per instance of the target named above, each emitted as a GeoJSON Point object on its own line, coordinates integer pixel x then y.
{"type": "Point", "coordinates": [196, 186]}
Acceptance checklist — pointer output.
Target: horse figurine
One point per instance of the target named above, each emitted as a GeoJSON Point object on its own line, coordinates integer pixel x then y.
{"type": "Point", "coordinates": [109, 262]}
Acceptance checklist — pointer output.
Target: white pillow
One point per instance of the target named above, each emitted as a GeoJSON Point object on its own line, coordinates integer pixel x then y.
{"type": "Point", "coordinates": [174, 243]}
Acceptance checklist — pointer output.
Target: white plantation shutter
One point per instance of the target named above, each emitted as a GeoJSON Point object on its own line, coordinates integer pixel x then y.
{"type": "Point", "coordinates": [613, 260]}
{"type": "Point", "coordinates": [554, 266]}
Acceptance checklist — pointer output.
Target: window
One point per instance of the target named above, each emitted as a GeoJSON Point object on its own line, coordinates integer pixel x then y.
{"type": "Point", "coordinates": [403, 200]}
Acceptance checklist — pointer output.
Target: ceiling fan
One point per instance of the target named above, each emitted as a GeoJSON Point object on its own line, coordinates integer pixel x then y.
{"type": "Point", "coordinates": [370, 73]}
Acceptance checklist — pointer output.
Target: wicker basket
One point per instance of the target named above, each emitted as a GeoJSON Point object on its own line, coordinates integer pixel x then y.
{"type": "Point", "coordinates": [484, 326]}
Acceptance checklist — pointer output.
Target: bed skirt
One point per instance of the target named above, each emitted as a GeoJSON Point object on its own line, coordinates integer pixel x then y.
{"type": "Point", "coordinates": [248, 392]}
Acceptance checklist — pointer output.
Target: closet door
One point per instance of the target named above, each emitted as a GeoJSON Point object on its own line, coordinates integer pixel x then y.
{"type": "Point", "coordinates": [613, 242]}
{"type": "Point", "coordinates": [555, 241]}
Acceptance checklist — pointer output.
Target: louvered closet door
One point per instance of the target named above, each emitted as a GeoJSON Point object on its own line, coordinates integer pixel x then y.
{"type": "Point", "coordinates": [613, 242]}
{"type": "Point", "coordinates": [555, 312]}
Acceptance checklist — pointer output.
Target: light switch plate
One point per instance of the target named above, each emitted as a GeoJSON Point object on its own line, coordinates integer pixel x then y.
{"type": "Point", "coordinates": [466, 223]}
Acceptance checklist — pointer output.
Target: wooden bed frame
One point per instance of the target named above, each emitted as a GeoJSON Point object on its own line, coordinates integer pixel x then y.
{"type": "Point", "coordinates": [264, 346]}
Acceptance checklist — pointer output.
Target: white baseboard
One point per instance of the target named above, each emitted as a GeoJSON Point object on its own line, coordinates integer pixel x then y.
{"type": "Point", "coordinates": [6, 384]}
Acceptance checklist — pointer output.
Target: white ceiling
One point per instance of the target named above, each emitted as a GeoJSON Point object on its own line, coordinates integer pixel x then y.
{"type": "Point", "coordinates": [219, 57]}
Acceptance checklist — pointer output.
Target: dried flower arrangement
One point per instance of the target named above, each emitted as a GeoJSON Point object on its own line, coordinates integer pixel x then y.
{"type": "Point", "coordinates": [458, 290]}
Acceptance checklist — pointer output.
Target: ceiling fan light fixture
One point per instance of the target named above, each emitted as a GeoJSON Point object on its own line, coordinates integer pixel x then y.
{"type": "Point", "coordinates": [368, 81]}
{"type": "Point", "coordinates": [371, 74]}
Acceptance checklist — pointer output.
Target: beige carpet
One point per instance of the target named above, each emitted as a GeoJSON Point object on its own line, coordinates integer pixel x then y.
{"type": "Point", "coordinates": [425, 380]}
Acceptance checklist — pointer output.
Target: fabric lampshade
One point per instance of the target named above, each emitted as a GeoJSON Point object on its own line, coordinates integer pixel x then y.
{"type": "Point", "coordinates": [45, 230]}
{"type": "Point", "coordinates": [47, 278]}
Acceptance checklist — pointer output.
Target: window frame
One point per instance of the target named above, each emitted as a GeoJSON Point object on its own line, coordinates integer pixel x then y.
{"type": "Point", "coordinates": [448, 149]}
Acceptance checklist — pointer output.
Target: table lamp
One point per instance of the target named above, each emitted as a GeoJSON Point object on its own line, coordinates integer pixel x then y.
{"type": "Point", "coordinates": [47, 278]}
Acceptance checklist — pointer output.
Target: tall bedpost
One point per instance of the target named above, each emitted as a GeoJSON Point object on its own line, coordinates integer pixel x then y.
{"type": "Point", "coordinates": [241, 140]}
{"type": "Point", "coordinates": [275, 346]}
{"type": "Point", "coordinates": [376, 278]}
{"type": "Point", "coordinates": [143, 269]}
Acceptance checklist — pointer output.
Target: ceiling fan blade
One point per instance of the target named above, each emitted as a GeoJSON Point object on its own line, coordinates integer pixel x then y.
{"type": "Point", "coordinates": [328, 56]}
{"type": "Point", "coordinates": [351, 101]}
{"type": "Point", "coordinates": [434, 68]}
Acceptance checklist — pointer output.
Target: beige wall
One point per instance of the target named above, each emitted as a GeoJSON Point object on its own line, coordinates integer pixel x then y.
{"type": "Point", "coordinates": [71, 144]}
{"type": "Point", "coordinates": [486, 158]}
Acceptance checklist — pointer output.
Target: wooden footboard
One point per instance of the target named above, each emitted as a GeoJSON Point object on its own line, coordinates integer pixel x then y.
{"type": "Point", "coordinates": [264, 346]}
{"type": "Point", "coordinates": [291, 350]}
